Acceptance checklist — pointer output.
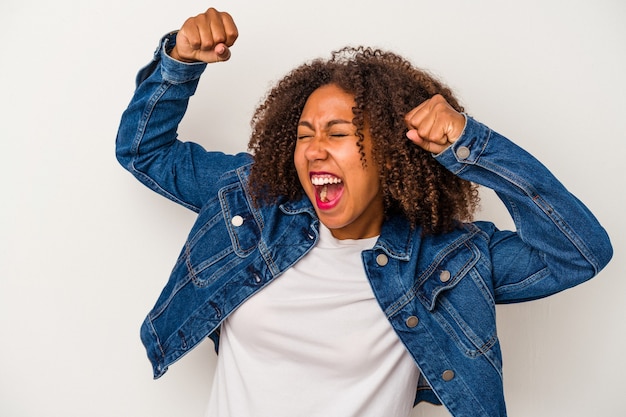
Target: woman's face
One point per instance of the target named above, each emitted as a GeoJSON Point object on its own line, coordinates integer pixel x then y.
{"type": "Point", "coordinates": [346, 193]}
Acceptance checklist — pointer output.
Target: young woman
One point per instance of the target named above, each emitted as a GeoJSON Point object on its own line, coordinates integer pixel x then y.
{"type": "Point", "coordinates": [337, 264]}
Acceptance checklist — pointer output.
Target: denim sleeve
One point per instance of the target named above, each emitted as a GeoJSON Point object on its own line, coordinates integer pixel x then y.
{"type": "Point", "coordinates": [147, 144]}
{"type": "Point", "coordinates": [558, 242]}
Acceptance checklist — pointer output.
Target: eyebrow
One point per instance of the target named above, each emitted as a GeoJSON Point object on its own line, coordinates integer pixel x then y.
{"type": "Point", "coordinates": [329, 124]}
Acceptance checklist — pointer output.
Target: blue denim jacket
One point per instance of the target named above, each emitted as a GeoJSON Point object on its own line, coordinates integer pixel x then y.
{"type": "Point", "coordinates": [438, 292]}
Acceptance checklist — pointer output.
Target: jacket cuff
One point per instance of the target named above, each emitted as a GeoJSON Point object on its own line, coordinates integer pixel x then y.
{"type": "Point", "coordinates": [467, 149]}
{"type": "Point", "coordinates": [172, 71]}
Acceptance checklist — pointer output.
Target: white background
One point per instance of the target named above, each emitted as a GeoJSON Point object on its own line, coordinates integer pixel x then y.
{"type": "Point", "coordinates": [85, 249]}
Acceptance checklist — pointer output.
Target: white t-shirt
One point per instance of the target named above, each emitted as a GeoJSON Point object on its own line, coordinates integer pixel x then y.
{"type": "Point", "coordinates": [312, 343]}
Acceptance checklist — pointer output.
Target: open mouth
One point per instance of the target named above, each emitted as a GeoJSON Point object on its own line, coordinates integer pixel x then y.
{"type": "Point", "coordinates": [328, 189]}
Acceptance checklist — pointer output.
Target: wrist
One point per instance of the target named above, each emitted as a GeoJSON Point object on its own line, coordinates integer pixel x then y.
{"type": "Point", "coordinates": [170, 49]}
{"type": "Point", "coordinates": [173, 53]}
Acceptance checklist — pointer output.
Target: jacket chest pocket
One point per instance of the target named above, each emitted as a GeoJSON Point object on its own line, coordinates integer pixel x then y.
{"type": "Point", "coordinates": [459, 298]}
{"type": "Point", "coordinates": [225, 234]}
{"type": "Point", "coordinates": [243, 227]}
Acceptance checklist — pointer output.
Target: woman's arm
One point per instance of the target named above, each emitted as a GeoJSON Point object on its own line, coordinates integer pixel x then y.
{"type": "Point", "coordinates": [147, 143]}
{"type": "Point", "coordinates": [558, 243]}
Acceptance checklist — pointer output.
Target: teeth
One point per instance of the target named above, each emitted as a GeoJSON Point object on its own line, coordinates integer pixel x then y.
{"type": "Point", "coordinates": [324, 180]}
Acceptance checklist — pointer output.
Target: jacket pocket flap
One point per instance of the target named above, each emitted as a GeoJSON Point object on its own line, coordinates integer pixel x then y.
{"type": "Point", "coordinates": [445, 272]}
{"type": "Point", "coordinates": [240, 222]}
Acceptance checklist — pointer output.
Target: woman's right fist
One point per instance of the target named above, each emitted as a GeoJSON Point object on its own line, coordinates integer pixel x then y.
{"type": "Point", "coordinates": [206, 37]}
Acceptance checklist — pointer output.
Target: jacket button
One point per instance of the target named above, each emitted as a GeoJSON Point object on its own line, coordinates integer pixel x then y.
{"type": "Point", "coordinates": [448, 375]}
{"type": "Point", "coordinates": [463, 152]}
{"type": "Point", "coordinates": [444, 276]}
{"type": "Point", "coordinates": [382, 259]}
{"type": "Point", "coordinates": [412, 321]}
{"type": "Point", "coordinates": [237, 221]}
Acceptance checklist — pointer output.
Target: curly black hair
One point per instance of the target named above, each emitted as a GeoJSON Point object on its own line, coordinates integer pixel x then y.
{"type": "Point", "coordinates": [385, 88]}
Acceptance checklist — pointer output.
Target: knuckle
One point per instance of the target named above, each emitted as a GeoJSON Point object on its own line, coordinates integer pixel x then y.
{"type": "Point", "coordinates": [232, 34]}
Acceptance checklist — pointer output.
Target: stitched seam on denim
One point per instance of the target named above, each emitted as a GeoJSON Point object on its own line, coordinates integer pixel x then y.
{"type": "Point", "coordinates": [462, 272]}
{"type": "Point", "coordinates": [528, 190]}
{"type": "Point", "coordinates": [399, 304]}
{"type": "Point", "coordinates": [396, 255]}
{"type": "Point", "coordinates": [239, 250]}
{"type": "Point", "coordinates": [159, 308]}
{"type": "Point", "coordinates": [242, 174]}
{"type": "Point", "coordinates": [269, 261]}
{"type": "Point", "coordinates": [567, 230]}
{"type": "Point", "coordinates": [486, 292]}
{"type": "Point", "coordinates": [208, 263]}
{"type": "Point", "coordinates": [461, 240]}
{"type": "Point", "coordinates": [430, 303]}
{"type": "Point", "coordinates": [413, 292]}
{"type": "Point", "coordinates": [145, 118]}
{"type": "Point", "coordinates": [158, 341]}
{"type": "Point", "coordinates": [192, 274]}
{"type": "Point", "coordinates": [553, 215]}
{"type": "Point", "coordinates": [446, 363]}
{"type": "Point", "coordinates": [208, 225]}
{"type": "Point", "coordinates": [481, 347]}
{"type": "Point", "coordinates": [542, 273]}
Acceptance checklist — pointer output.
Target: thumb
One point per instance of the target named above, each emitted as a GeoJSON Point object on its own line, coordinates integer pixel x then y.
{"type": "Point", "coordinates": [223, 52]}
{"type": "Point", "coordinates": [413, 135]}
{"type": "Point", "coordinates": [425, 143]}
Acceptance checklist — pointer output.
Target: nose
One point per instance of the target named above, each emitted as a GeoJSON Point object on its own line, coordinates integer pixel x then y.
{"type": "Point", "coordinates": [316, 148]}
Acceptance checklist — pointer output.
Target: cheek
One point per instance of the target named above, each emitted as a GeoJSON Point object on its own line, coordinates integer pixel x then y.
{"type": "Point", "coordinates": [301, 166]}
{"type": "Point", "coordinates": [297, 159]}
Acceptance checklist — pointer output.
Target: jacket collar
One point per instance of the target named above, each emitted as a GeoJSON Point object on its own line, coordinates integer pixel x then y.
{"type": "Point", "coordinates": [303, 205]}
{"type": "Point", "coordinates": [396, 236]}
